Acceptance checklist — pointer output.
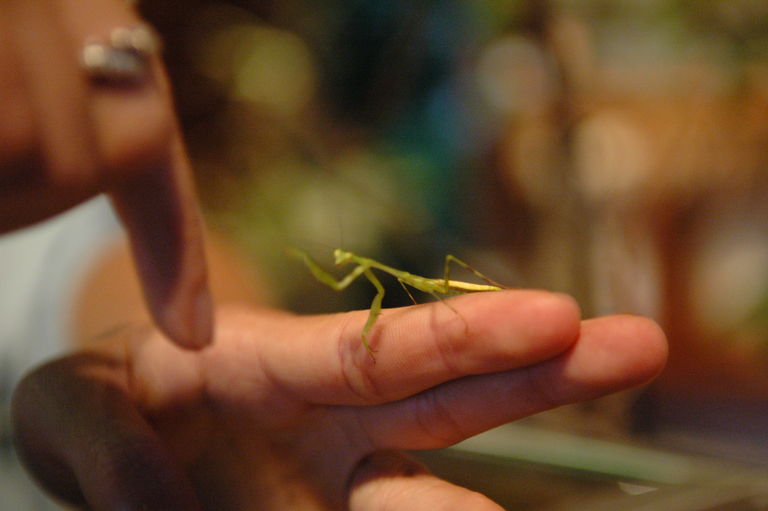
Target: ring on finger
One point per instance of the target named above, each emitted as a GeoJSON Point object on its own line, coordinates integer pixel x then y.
{"type": "Point", "coordinates": [125, 59]}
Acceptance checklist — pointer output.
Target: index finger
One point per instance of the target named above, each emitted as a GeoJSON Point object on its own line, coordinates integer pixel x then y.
{"type": "Point", "coordinates": [159, 212]}
{"type": "Point", "coordinates": [148, 178]}
{"type": "Point", "coordinates": [83, 137]}
{"type": "Point", "coordinates": [322, 359]}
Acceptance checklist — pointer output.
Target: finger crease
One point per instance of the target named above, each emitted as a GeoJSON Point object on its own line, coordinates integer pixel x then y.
{"type": "Point", "coordinates": [356, 376]}
{"type": "Point", "coordinates": [436, 419]}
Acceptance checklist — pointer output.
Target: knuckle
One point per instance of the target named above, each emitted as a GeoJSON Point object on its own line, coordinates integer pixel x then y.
{"type": "Point", "coordinates": [356, 367]}
{"type": "Point", "coordinates": [436, 420]}
{"type": "Point", "coordinates": [451, 335]}
{"type": "Point", "coordinates": [540, 391]}
{"type": "Point", "coordinates": [33, 158]}
{"type": "Point", "coordinates": [18, 142]}
{"type": "Point", "coordinates": [136, 134]}
{"type": "Point", "coordinates": [18, 136]}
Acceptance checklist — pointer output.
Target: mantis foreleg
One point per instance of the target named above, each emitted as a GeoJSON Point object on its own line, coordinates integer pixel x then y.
{"type": "Point", "coordinates": [325, 277]}
{"type": "Point", "coordinates": [373, 315]}
{"type": "Point", "coordinates": [341, 284]}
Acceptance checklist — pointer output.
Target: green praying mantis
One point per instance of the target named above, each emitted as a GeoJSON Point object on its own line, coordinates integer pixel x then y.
{"type": "Point", "coordinates": [438, 288]}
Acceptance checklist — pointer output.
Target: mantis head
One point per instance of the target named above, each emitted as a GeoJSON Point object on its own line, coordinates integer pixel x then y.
{"type": "Point", "coordinates": [342, 257]}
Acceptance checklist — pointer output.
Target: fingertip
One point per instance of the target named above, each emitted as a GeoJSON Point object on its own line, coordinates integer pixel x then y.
{"type": "Point", "coordinates": [189, 323]}
{"type": "Point", "coordinates": [525, 326]}
{"type": "Point", "coordinates": [556, 318]}
{"type": "Point", "coordinates": [392, 480]}
{"type": "Point", "coordinates": [649, 350]}
{"type": "Point", "coordinates": [623, 351]}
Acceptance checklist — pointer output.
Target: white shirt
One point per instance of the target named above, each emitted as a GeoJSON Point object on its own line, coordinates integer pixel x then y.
{"type": "Point", "coordinates": [40, 270]}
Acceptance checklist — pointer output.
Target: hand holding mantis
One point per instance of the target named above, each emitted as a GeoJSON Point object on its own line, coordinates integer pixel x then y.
{"type": "Point", "coordinates": [287, 412]}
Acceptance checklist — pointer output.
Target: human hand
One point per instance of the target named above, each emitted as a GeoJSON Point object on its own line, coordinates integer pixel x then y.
{"type": "Point", "coordinates": [290, 412]}
{"type": "Point", "coordinates": [65, 137]}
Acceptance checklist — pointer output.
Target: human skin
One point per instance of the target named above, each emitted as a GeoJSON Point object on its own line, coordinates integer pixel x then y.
{"type": "Point", "coordinates": [65, 138]}
{"type": "Point", "coordinates": [291, 412]}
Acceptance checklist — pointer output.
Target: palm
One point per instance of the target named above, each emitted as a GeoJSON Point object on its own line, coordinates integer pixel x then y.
{"type": "Point", "coordinates": [279, 446]}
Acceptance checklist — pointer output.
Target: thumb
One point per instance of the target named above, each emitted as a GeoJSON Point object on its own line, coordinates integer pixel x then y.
{"type": "Point", "coordinates": [392, 480]}
{"type": "Point", "coordinates": [80, 435]}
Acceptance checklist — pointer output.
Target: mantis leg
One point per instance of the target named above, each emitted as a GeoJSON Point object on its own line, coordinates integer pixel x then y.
{"type": "Point", "coordinates": [452, 259]}
{"type": "Point", "coordinates": [436, 296]}
{"type": "Point", "coordinates": [325, 277]}
{"type": "Point", "coordinates": [373, 315]}
{"type": "Point", "coordinates": [405, 288]}
{"type": "Point", "coordinates": [339, 285]}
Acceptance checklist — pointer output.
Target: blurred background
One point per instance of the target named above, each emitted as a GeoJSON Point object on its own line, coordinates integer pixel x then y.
{"type": "Point", "coordinates": [616, 150]}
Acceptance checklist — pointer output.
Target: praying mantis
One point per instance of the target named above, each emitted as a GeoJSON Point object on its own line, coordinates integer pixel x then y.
{"type": "Point", "coordinates": [435, 287]}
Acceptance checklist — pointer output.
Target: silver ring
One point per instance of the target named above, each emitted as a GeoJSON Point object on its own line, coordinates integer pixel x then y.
{"type": "Point", "coordinates": [125, 59]}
